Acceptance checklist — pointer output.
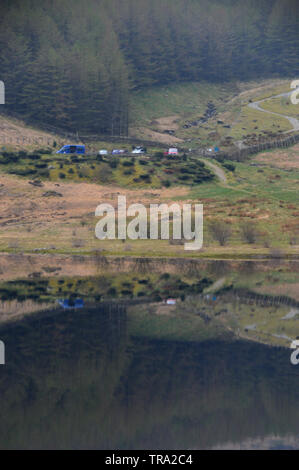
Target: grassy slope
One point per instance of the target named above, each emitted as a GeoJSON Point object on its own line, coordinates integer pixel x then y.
{"type": "Point", "coordinates": [266, 194]}
{"type": "Point", "coordinates": [282, 105]}
{"type": "Point", "coordinates": [259, 194]}
{"type": "Point", "coordinates": [188, 102]}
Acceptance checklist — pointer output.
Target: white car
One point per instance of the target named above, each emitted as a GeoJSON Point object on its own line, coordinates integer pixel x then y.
{"type": "Point", "coordinates": [138, 150]}
{"type": "Point", "coordinates": [103, 152]}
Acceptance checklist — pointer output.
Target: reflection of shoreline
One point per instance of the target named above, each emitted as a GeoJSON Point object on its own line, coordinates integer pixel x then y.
{"type": "Point", "coordinates": [13, 310]}
{"type": "Point", "coordinates": [13, 266]}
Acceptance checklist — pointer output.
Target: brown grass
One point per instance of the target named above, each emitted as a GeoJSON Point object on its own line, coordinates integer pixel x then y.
{"type": "Point", "coordinates": [287, 160]}
{"type": "Point", "coordinates": [15, 133]}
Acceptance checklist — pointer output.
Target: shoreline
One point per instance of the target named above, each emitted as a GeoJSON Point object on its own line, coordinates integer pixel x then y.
{"type": "Point", "coordinates": [261, 256]}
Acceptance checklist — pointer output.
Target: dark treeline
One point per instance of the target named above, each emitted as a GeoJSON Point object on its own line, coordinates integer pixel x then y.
{"type": "Point", "coordinates": [73, 63]}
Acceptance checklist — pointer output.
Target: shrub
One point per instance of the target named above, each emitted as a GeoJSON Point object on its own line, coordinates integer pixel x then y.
{"type": "Point", "coordinates": [158, 155]}
{"type": "Point", "coordinates": [103, 173]}
{"type": "Point", "coordinates": [40, 165]}
{"type": "Point", "coordinates": [78, 243]}
{"type": "Point", "coordinates": [220, 232]}
{"type": "Point", "coordinates": [23, 171]}
{"type": "Point", "coordinates": [44, 173]}
{"type": "Point", "coordinates": [43, 151]}
{"type": "Point", "coordinates": [128, 163]}
{"type": "Point", "coordinates": [249, 232]}
{"type": "Point", "coordinates": [61, 175]}
{"type": "Point", "coordinates": [85, 170]}
{"type": "Point", "coordinates": [112, 292]}
{"type": "Point", "coordinates": [34, 156]}
{"type": "Point", "coordinates": [113, 163]}
{"type": "Point", "coordinates": [229, 166]}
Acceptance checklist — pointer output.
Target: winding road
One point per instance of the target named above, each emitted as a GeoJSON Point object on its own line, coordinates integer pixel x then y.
{"type": "Point", "coordinates": [293, 121]}
{"type": "Point", "coordinates": [255, 105]}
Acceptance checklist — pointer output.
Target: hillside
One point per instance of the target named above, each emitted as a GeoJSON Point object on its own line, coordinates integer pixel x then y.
{"type": "Point", "coordinates": [205, 114]}
{"type": "Point", "coordinates": [190, 115]}
{"type": "Point", "coordinates": [76, 69]}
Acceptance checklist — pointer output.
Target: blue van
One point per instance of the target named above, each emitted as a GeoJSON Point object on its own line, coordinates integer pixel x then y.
{"type": "Point", "coordinates": [77, 149]}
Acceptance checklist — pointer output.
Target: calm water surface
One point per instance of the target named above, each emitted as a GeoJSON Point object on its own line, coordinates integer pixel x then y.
{"type": "Point", "coordinates": [115, 376]}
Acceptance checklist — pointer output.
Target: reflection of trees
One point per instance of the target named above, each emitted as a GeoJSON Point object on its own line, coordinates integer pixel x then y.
{"type": "Point", "coordinates": [218, 268]}
{"type": "Point", "coordinates": [142, 265]}
{"type": "Point", "coordinates": [76, 380]}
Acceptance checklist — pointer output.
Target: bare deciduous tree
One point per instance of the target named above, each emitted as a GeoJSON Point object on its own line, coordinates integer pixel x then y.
{"type": "Point", "coordinates": [221, 232]}
{"type": "Point", "coordinates": [249, 232]}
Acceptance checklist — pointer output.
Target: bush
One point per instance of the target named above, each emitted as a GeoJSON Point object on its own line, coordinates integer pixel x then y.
{"type": "Point", "coordinates": [44, 151]}
{"type": "Point", "coordinates": [61, 175]}
{"type": "Point", "coordinates": [128, 163]}
{"type": "Point", "coordinates": [23, 171]}
{"type": "Point", "coordinates": [184, 177]}
{"type": "Point", "coordinates": [40, 165]}
{"type": "Point", "coordinates": [103, 173]}
{"type": "Point", "coordinates": [113, 163]}
{"type": "Point", "coordinates": [44, 173]}
{"type": "Point", "coordinates": [158, 155]}
{"type": "Point", "coordinates": [249, 232]}
{"type": "Point", "coordinates": [221, 232]}
{"type": "Point", "coordinates": [12, 157]}
{"type": "Point", "coordinates": [229, 166]}
{"type": "Point", "coordinates": [78, 243]}
{"type": "Point", "coordinates": [4, 160]}
{"type": "Point", "coordinates": [34, 156]}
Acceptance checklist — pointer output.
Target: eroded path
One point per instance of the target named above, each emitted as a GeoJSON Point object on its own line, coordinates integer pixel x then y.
{"type": "Point", "coordinates": [216, 169]}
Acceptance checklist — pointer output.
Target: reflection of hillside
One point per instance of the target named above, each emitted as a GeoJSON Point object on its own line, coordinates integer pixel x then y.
{"type": "Point", "coordinates": [77, 381]}
{"type": "Point", "coordinates": [13, 309]}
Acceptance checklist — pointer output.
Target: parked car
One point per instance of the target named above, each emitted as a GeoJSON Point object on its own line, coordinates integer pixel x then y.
{"type": "Point", "coordinates": [139, 150]}
{"type": "Point", "coordinates": [172, 151]}
{"type": "Point", "coordinates": [118, 151]}
{"type": "Point", "coordinates": [103, 152]}
{"type": "Point", "coordinates": [77, 149]}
